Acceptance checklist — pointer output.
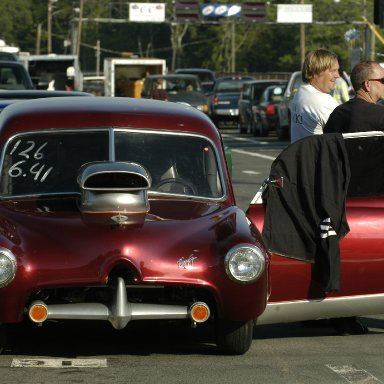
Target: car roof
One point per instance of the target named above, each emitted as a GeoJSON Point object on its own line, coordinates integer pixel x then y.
{"type": "Point", "coordinates": [195, 70]}
{"type": "Point", "coordinates": [173, 76]}
{"type": "Point", "coordinates": [10, 63]}
{"type": "Point", "coordinates": [234, 78]}
{"type": "Point", "coordinates": [36, 94]}
{"type": "Point", "coordinates": [268, 81]}
{"type": "Point", "coordinates": [99, 112]}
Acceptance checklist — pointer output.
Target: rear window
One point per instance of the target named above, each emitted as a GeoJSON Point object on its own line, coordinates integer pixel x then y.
{"type": "Point", "coordinates": [230, 86]}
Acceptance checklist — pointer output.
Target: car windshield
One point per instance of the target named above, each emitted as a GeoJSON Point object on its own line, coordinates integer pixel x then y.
{"type": "Point", "coordinates": [48, 162]}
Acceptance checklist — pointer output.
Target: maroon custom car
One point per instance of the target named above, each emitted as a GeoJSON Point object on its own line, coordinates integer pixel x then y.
{"type": "Point", "coordinates": [119, 210]}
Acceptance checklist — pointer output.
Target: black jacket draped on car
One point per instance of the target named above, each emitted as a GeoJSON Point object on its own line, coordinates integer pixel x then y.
{"type": "Point", "coordinates": [305, 218]}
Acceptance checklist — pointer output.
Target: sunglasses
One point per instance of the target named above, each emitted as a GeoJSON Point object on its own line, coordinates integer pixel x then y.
{"type": "Point", "coordinates": [381, 80]}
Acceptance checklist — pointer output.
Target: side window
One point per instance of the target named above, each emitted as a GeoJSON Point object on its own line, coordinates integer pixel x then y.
{"type": "Point", "coordinates": [264, 97]}
{"type": "Point", "coordinates": [246, 91]}
{"type": "Point", "coordinates": [366, 159]}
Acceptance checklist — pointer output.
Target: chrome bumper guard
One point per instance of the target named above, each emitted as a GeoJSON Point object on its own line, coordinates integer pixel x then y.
{"type": "Point", "coordinates": [119, 313]}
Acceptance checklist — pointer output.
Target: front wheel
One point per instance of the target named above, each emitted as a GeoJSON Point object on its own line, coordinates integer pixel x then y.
{"type": "Point", "coordinates": [234, 337]}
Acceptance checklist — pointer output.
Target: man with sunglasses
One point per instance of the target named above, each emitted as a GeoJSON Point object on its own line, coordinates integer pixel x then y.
{"type": "Point", "coordinates": [361, 113]}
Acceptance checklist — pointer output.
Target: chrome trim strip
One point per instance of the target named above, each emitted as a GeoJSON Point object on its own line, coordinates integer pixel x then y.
{"type": "Point", "coordinates": [331, 307]}
{"type": "Point", "coordinates": [112, 153]}
{"type": "Point", "coordinates": [362, 134]}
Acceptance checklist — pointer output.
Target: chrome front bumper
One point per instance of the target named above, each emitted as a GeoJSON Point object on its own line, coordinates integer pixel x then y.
{"type": "Point", "coordinates": [119, 313]}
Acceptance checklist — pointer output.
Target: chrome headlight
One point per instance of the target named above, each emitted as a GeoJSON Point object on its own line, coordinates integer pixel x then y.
{"type": "Point", "coordinates": [7, 267]}
{"type": "Point", "coordinates": [244, 263]}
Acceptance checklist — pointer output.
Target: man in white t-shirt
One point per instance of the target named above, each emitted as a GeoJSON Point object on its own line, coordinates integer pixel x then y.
{"type": "Point", "coordinates": [312, 104]}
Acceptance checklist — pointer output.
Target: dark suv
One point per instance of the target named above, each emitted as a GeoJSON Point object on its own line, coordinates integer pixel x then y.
{"type": "Point", "coordinates": [249, 99]}
{"type": "Point", "coordinates": [224, 100]}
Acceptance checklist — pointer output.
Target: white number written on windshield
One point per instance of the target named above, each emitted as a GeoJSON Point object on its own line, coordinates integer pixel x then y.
{"type": "Point", "coordinates": [31, 163]}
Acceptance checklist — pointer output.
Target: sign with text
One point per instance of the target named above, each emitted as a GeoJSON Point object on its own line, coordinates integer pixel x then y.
{"type": "Point", "coordinates": [147, 12]}
{"type": "Point", "coordinates": [294, 13]}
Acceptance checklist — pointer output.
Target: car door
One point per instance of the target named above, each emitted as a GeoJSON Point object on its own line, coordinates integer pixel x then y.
{"type": "Point", "coordinates": [361, 249]}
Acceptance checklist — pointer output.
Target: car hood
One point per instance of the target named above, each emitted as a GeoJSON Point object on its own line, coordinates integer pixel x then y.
{"type": "Point", "coordinates": [176, 241]}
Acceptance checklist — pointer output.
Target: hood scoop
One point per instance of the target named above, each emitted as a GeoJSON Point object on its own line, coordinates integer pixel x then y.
{"type": "Point", "coordinates": [114, 192]}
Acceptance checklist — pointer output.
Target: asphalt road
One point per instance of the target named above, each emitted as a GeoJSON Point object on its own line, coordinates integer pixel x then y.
{"type": "Point", "coordinates": [148, 353]}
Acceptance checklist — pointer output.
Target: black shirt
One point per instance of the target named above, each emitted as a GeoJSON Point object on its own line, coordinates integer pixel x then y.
{"type": "Point", "coordinates": [356, 115]}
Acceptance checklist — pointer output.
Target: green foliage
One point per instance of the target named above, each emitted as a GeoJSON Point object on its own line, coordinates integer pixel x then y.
{"type": "Point", "coordinates": [256, 47]}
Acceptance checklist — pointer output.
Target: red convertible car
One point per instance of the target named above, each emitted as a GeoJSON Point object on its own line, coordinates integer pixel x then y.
{"type": "Point", "coordinates": [119, 210]}
{"type": "Point", "coordinates": [322, 224]}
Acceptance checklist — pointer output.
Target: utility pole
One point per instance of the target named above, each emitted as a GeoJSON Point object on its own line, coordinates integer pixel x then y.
{"type": "Point", "coordinates": [302, 40]}
{"type": "Point", "coordinates": [78, 43]}
{"type": "Point", "coordinates": [98, 58]}
{"type": "Point", "coordinates": [38, 39]}
{"type": "Point", "coordinates": [233, 47]}
{"type": "Point", "coordinates": [49, 27]}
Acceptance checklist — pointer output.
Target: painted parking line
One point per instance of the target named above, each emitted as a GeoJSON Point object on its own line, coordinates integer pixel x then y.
{"type": "Point", "coordinates": [242, 152]}
{"type": "Point", "coordinates": [250, 172]}
{"type": "Point", "coordinates": [59, 363]}
{"type": "Point", "coordinates": [245, 139]}
{"type": "Point", "coordinates": [354, 375]}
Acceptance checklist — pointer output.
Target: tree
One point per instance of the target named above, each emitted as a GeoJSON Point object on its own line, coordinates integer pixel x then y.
{"type": "Point", "coordinates": [255, 47]}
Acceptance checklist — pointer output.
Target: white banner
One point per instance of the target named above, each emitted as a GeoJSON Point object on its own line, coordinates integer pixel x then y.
{"type": "Point", "coordinates": [147, 12]}
{"type": "Point", "coordinates": [294, 13]}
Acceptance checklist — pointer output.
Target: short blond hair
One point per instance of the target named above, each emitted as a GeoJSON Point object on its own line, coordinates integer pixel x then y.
{"type": "Point", "coordinates": [317, 62]}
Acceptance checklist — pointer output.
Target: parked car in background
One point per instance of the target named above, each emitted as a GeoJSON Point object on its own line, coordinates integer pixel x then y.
{"type": "Point", "coordinates": [264, 114]}
{"type": "Point", "coordinates": [283, 127]}
{"type": "Point", "coordinates": [206, 76]}
{"type": "Point", "coordinates": [14, 76]}
{"type": "Point", "coordinates": [224, 100]}
{"type": "Point", "coordinates": [183, 88]}
{"type": "Point", "coordinates": [122, 209]}
{"type": "Point", "coordinates": [251, 93]}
